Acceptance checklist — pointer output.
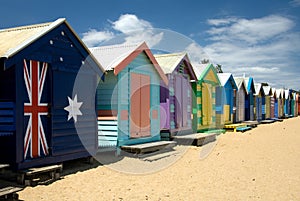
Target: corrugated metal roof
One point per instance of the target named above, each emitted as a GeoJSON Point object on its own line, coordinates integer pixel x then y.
{"type": "Point", "coordinates": [14, 39]}
{"type": "Point", "coordinates": [279, 93]}
{"type": "Point", "coordinates": [287, 94]}
{"type": "Point", "coordinates": [116, 57]}
{"type": "Point", "coordinates": [112, 55]}
{"type": "Point", "coordinates": [257, 87]}
{"type": "Point", "coordinates": [224, 77]}
{"type": "Point", "coordinates": [273, 91]}
{"type": "Point", "coordinates": [168, 62]}
{"type": "Point", "coordinates": [267, 90]}
{"type": "Point", "coordinates": [199, 69]}
{"type": "Point", "coordinates": [239, 81]}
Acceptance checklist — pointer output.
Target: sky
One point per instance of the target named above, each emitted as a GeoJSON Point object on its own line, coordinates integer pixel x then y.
{"type": "Point", "coordinates": [257, 38]}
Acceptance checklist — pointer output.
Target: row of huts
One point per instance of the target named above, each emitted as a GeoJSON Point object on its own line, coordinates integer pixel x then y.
{"type": "Point", "coordinates": [60, 100]}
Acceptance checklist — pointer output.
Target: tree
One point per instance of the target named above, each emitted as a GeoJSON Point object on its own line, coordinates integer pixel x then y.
{"type": "Point", "coordinates": [219, 68]}
{"type": "Point", "coordinates": [205, 61]}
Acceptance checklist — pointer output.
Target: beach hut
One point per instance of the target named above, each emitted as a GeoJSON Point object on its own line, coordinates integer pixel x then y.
{"type": "Point", "coordinates": [176, 97]}
{"type": "Point", "coordinates": [287, 102]}
{"type": "Point", "coordinates": [249, 103]}
{"type": "Point", "coordinates": [241, 95]}
{"type": "Point", "coordinates": [42, 111]}
{"type": "Point", "coordinates": [259, 102]}
{"type": "Point", "coordinates": [293, 101]}
{"type": "Point", "coordinates": [128, 100]}
{"type": "Point", "coordinates": [280, 98]}
{"type": "Point", "coordinates": [204, 108]}
{"type": "Point", "coordinates": [273, 100]}
{"type": "Point", "coordinates": [298, 102]}
{"type": "Point", "coordinates": [277, 96]}
{"type": "Point", "coordinates": [269, 102]}
{"type": "Point", "coordinates": [226, 93]}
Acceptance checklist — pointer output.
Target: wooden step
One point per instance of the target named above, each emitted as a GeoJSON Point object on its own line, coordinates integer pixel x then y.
{"type": "Point", "coordinates": [147, 147]}
{"type": "Point", "coordinates": [9, 193]}
{"type": "Point", "coordinates": [267, 121]}
{"type": "Point", "coordinates": [251, 123]}
{"type": "Point", "coordinates": [28, 176]}
{"type": "Point", "coordinates": [243, 129]}
{"type": "Point", "coordinates": [198, 138]}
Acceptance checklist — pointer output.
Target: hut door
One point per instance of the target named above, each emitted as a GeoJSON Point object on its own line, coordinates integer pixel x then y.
{"type": "Point", "coordinates": [181, 101]}
{"type": "Point", "coordinates": [36, 105]}
{"type": "Point", "coordinates": [241, 105]}
{"type": "Point", "coordinates": [139, 105]}
{"type": "Point", "coordinates": [206, 104]}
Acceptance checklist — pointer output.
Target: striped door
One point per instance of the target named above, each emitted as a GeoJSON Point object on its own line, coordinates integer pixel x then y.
{"type": "Point", "coordinates": [272, 108]}
{"type": "Point", "coordinates": [139, 106]}
{"type": "Point", "coordinates": [206, 104]}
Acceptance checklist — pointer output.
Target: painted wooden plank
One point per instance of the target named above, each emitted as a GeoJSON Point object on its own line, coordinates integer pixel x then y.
{"type": "Point", "coordinates": [7, 119]}
{"type": "Point", "coordinates": [107, 143]}
{"type": "Point", "coordinates": [135, 105]}
{"type": "Point", "coordinates": [107, 133]}
{"type": "Point", "coordinates": [108, 127]}
{"type": "Point", "coordinates": [107, 122]}
{"type": "Point", "coordinates": [6, 112]}
{"type": "Point", "coordinates": [7, 127]}
{"type": "Point", "coordinates": [107, 138]}
{"type": "Point", "coordinates": [7, 105]}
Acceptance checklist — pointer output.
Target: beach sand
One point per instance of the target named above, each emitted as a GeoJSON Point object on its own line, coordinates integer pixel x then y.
{"type": "Point", "coordinates": [260, 164]}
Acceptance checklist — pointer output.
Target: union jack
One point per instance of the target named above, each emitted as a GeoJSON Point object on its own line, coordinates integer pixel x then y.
{"type": "Point", "coordinates": [34, 76]}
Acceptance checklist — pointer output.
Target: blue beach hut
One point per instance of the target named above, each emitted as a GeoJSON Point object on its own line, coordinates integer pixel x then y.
{"type": "Point", "coordinates": [41, 109]}
{"type": "Point", "coordinates": [226, 100]}
{"type": "Point", "coordinates": [128, 100]}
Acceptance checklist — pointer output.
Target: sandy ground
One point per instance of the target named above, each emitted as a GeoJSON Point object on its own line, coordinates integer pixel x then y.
{"type": "Point", "coordinates": [261, 164]}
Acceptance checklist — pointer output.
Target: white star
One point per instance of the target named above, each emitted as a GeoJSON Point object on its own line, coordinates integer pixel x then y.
{"type": "Point", "coordinates": [73, 108]}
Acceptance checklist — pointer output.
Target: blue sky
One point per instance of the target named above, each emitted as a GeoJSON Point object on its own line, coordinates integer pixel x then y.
{"type": "Point", "coordinates": [260, 38]}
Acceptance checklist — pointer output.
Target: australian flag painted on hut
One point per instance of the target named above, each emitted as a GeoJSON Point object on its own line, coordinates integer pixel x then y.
{"type": "Point", "coordinates": [48, 81]}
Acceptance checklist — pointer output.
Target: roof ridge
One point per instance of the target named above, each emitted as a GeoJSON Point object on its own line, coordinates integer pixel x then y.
{"type": "Point", "coordinates": [33, 26]}
{"type": "Point", "coordinates": [123, 45]}
{"type": "Point", "coordinates": [170, 54]}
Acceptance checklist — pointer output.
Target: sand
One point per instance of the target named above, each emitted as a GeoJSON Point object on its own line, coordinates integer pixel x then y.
{"type": "Point", "coordinates": [260, 164]}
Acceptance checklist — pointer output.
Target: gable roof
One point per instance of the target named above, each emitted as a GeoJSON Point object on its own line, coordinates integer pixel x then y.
{"type": "Point", "coordinates": [117, 57]}
{"type": "Point", "coordinates": [267, 90]}
{"type": "Point", "coordinates": [249, 83]}
{"type": "Point", "coordinates": [169, 62]}
{"type": "Point", "coordinates": [258, 89]}
{"type": "Point", "coordinates": [201, 70]}
{"type": "Point", "coordinates": [239, 81]}
{"type": "Point", "coordinates": [13, 40]}
{"type": "Point", "coordinates": [279, 93]}
{"type": "Point", "coordinates": [227, 77]}
{"type": "Point", "coordinates": [287, 94]}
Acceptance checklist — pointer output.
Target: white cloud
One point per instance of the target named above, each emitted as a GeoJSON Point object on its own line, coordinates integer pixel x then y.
{"type": "Point", "coordinates": [130, 27]}
{"type": "Point", "coordinates": [94, 37]}
{"type": "Point", "coordinates": [128, 23]}
{"type": "Point", "coordinates": [295, 3]}
{"type": "Point", "coordinates": [251, 31]}
{"type": "Point", "coordinates": [266, 48]}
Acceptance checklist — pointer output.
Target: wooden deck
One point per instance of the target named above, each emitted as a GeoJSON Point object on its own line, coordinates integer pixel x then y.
{"type": "Point", "coordinates": [31, 176]}
{"type": "Point", "coordinates": [147, 147]}
{"type": "Point", "coordinates": [251, 123]}
{"type": "Point", "coordinates": [10, 193]}
{"type": "Point", "coordinates": [267, 121]}
{"type": "Point", "coordinates": [276, 119]}
{"type": "Point", "coordinates": [196, 138]}
{"type": "Point", "coordinates": [237, 127]}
